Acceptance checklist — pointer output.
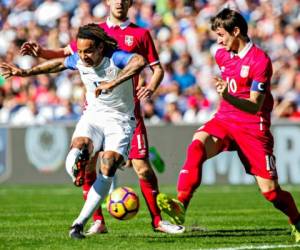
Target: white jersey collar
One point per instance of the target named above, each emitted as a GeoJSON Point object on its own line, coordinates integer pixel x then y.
{"type": "Point", "coordinates": [244, 51]}
{"type": "Point", "coordinates": [122, 26]}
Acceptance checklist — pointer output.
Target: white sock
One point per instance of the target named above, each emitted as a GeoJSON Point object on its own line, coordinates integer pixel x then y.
{"type": "Point", "coordinates": [70, 161]}
{"type": "Point", "coordinates": [96, 195]}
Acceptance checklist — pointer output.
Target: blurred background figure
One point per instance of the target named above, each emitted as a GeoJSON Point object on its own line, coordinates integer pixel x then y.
{"type": "Point", "coordinates": [186, 48]}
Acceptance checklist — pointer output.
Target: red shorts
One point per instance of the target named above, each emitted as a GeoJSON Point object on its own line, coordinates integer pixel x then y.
{"type": "Point", "coordinates": [139, 143]}
{"type": "Point", "coordinates": [254, 146]}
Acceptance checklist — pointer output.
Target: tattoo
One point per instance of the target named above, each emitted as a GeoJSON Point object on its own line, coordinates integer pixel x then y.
{"type": "Point", "coordinates": [135, 65]}
{"type": "Point", "coordinates": [52, 66]}
{"type": "Point", "coordinates": [108, 162]}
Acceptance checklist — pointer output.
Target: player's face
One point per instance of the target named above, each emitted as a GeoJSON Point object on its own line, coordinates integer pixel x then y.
{"type": "Point", "coordinates": [227, 40]}
{"type": "Point", "coordinates": [90, 54]}
{"type": "Point", "coordinates": [119, 8]}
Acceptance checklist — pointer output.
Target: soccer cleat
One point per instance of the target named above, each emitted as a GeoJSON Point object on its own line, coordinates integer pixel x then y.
{"type": "Point", "coordinates": [79, 167]}
{"type": "Point", "coordinates": [97, 228]}
{"type": "Point", "coordinates": [296, 232]}
{"type": "Point", "coordinates": [76, 232]}
{"type": "Point", "coordinates": [167, 227]}
{"type": "Point", "coordinates": [172, 208]}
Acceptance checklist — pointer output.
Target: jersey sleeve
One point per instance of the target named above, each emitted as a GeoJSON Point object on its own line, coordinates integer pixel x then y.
{"type": "Point", "coordinates": [121, 58]}
{"type": "Point", "coordinates": [72, 47]}
{"type": "Point", "coordinates": [262, 70]}
{"type": "Point", "coordinates": [71, 61]}
{"type": "Point", "coordinates": [147, 49]}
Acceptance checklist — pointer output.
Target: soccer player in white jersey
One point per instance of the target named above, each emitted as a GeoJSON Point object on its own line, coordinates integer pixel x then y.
{"type": "Point", "coordinates": [108, 121]}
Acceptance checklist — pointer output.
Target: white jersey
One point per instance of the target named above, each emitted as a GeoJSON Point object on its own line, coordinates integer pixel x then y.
{"type": "Point", "coordinates": [118, 101]}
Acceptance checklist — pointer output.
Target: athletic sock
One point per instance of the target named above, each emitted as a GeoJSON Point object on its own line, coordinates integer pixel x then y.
{"type": "Point", "coordinates": [95, 196]}
{"type": "Point", "coordinates": [89, 179]}
{"type": "Point", "coordinates": [283, 201]}
{"type": "Point", "coordinates": [149, 190]}
{"type": "Point", "coordinates": [190, 175]}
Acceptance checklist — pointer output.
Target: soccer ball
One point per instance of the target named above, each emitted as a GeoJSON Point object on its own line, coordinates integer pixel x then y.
{"type": "Point", "coordinates": [123, 203]}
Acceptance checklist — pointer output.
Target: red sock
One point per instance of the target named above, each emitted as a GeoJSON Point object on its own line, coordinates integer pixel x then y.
{"type": "Point", "coordinates": [149, 189]}
{"type": "Point", "coordinates": [190, 175]}
{"type": "Point", "coordinates": [89, 179]}
{"type": "Point", "coordinates": [284, 202]}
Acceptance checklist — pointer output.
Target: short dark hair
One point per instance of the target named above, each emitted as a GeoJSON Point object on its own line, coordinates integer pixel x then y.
{"type": "Point", "coordinates": [93, 32]}
{"type": "Point", "coordinates": [229, 19]}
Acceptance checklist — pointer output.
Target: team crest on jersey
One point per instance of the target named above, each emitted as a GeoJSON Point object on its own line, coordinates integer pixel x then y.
{"type": "Point", "coordinates": [244, 71]}
{"type": "Point", "coordinates": [128, 40]}
{"type": "Point", "coordinates": [111, 72]}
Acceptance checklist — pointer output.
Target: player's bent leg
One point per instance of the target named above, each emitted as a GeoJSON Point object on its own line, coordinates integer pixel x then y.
{"type": "Point", "coordinates": [109, 164]}
{"type": "Point", "coordinates": [202, 147]}
{"type": "Point", "coordinates": [190, 175]}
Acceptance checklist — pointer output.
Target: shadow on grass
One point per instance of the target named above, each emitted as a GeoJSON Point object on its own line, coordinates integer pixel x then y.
{"type": "Point", "coordinates": [198, 232]}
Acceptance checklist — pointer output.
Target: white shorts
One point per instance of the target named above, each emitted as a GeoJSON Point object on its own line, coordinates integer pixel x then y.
{"type": "Point", "coordinates": [107, 132]}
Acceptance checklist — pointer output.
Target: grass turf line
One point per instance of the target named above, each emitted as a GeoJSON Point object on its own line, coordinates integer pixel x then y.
{"type": "Point", "coordinates": [38, 217]}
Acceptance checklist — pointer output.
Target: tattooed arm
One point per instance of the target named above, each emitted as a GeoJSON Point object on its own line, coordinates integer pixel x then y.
{"type": "Point", "coordinates": [134, 66]}
{"type": "Point", "coordinates": [50, 66]}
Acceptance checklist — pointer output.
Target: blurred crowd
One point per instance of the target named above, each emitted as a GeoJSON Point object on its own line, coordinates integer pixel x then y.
{"type": "Point", "coordinates": [186, 46]}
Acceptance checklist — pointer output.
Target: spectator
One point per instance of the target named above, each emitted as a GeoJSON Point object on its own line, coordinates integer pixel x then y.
{"type": "Point", "coordinates": [183, 40]}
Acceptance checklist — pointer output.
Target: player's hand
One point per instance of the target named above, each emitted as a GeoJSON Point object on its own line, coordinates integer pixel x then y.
{"type": "Point", "coordinates": [31, 49]}
{"type": "Point", "coordinates": [221, 86]}
{"type": "Point", "coordinates": [104, 88]}
{"type": "Point", "coordinates": [144, 93]}
{"type": "Point", "coordinates": [8, 70]}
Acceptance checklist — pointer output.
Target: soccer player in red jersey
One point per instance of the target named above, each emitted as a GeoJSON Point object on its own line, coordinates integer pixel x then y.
{"type": "Point", "coordinates": [135, 39]}
{"type": "Point", "coordinates": [242, 122]}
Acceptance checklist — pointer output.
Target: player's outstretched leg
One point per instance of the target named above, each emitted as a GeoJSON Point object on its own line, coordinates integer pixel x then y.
{"type": "Point", "coordinates": [76, 232]}
{"type": "Point", "coordinates": [189, 179]}
{"type": "Point", "coordinates": [96, 195]}
{"type": "Point", "coordinates": [172, 208]}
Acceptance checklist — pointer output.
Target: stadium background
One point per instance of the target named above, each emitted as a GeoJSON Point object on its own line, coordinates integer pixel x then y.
{"type": "Point", "coordinates": [185, 99]}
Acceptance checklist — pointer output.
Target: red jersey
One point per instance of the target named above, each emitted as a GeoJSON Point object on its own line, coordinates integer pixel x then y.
{"type": "Point", "coordinates": [134, 39]}
{"type": "Point", "coordinates": [240, 71]}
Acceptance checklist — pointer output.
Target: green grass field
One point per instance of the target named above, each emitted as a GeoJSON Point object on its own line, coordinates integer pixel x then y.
{"type": "Point", "coordinates": [220, 217]}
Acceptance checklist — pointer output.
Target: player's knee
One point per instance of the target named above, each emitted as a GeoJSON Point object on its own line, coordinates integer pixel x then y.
{"type": "Point", "coordinates": [110, 163]}
{"type": "Point", "coordinates": [145, 173]}
{"type": "Point", "coordinates": [79, 142]}
{"type": "Point", "coordinates": [143, 169]}
{"type": "Point", "coordinates": [272, 195]}
{"type": "Point", "coordinates": [82, 142]}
